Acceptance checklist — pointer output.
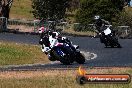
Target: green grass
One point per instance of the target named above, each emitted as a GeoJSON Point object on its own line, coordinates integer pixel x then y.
{"type": "Point", "coordinates": [56, 79]}
{"type": "Point", "coordinates": [48, 83]}
{"type": "Point", "coordinates": [58, 82]}
{"type": "Point", "coordinates": [21, 9]}
{"type": "Point", "coordinates": [129, 10]}
{"type": "Point", "coordinates": [18, 54]}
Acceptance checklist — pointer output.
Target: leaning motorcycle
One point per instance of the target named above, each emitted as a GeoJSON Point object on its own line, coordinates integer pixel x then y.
{"type": "Point", "coordinates": [109, 39]}
{"type": "Point", "coordinates": [66, 53]}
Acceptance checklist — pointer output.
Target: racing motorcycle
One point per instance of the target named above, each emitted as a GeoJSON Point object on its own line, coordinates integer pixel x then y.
{"type": "Point", "coordinates": [109, 39]}
{"type": "Point", "coordinates": [65, 52]}
{"type": "Point", "coordinates": [61, 49]}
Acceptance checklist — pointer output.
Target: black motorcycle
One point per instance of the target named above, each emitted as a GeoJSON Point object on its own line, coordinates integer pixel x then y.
{"type": "Point", "coordinates": [108, 38]}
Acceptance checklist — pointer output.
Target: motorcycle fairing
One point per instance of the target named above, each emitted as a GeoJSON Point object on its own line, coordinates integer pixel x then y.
{"type": "Point", "coordinates": [107, 31]}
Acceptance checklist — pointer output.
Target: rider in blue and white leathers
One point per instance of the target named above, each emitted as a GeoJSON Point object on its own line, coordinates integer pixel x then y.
{"type": "Point", "coordinates": [49, 38]}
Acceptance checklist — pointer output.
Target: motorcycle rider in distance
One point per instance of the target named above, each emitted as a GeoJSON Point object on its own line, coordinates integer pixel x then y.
{"type": "Point", "coordinates": [100, 25]}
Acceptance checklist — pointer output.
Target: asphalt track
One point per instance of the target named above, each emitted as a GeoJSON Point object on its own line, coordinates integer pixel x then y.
{"type": "Point", "coordinates": [106, 57]}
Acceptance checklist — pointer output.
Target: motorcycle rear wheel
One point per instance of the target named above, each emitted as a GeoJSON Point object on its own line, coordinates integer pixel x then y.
{"type": "Point", "coordinates": [114, 42]}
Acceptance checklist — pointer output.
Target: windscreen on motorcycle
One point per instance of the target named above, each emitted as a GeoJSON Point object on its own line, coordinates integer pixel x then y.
{"type": "Point", "coordinates": [107, 31]}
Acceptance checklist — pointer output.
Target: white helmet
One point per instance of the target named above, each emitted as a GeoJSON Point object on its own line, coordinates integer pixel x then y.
{"type": "Point", "coordinates": [55, 34]}
{"type": "Point", "coordinates": [96, 17]}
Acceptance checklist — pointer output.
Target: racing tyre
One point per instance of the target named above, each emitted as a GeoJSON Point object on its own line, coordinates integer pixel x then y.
{"type": "Point", "coordinates": [66, 60]}
{"type": "Point", "coordinates": [52, 56]}
{"type": "Point", "coordinates": [51, 59]}
{"type": "Point", "coordinates": [116, 43]}
{"type": "Point", "coordinates": [80, 58]}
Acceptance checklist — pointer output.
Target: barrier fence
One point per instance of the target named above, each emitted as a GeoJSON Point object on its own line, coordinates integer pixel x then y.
{"type": "Point", "coordinates": [33, 25]}
{"type": "Point", "coordinates": [121, 31]}
{"type": "Point", "coordinates": [22, 25]}
{"type": "Point", "coordinates": [3, 24]}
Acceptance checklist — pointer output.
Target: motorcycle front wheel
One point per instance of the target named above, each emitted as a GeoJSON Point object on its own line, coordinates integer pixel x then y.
{"type": "Point", "coordinates": [80, 58]}
{"type": "Point", "coordinates": [114, 42]}
{"type": "Point", "coordinates": [66, 60]}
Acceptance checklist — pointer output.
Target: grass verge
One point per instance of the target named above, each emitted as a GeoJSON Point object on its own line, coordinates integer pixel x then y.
{"type": "Point", "coordinates": [21, 9]}
{"type": "Point", "coordinates": [57, 79]}
{"type": "Point", "coordinates": [19, 54]}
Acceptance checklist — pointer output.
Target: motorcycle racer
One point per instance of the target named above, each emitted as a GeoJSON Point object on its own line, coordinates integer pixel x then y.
{"type": "Point", "coordinates": [100, 26]}
{"type": "Point", "coordinates": [106, 33]}
{"type": "Point", "coordinates": [49, 38]}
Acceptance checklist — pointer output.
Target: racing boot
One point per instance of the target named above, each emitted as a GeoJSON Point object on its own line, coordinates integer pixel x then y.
{"type": "Point", "coordinates": [46, 50]}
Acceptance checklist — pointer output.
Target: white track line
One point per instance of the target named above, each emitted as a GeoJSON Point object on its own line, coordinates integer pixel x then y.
{"type": "Point", "coordinates": [94, 56]}
{"type": "Point", "coordinates": [89, 55]}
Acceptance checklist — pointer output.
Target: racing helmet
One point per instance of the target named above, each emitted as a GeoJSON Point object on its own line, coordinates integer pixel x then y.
{"type": "Point", "coordinates": [42, 29]}
{"type": "Point", "coordinates": [55, 34]}
{"type": "Point", "coordinates": [97, 17]}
